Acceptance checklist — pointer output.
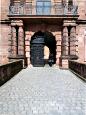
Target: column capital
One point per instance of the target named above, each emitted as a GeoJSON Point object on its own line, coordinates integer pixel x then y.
{"type": "Point", "coordinates": [16, 22]}
{"type": "Point", "coordinates": [69, 23]}
{"type": "Point", "coordinates": [13, 23]}
{"type": "Point", "coordinates": [19, 22]}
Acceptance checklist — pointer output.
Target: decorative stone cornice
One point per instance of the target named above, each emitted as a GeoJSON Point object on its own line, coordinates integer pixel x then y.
{"type": "Point", "coordinates": [5, 21]}
{"type": "Point", "coordinates": [81, 21]}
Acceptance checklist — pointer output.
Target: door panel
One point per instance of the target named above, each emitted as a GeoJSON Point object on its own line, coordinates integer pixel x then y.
{"type": "Point", "coordinates": [37, 53]}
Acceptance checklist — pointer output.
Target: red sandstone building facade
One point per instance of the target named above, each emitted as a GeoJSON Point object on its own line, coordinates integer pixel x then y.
{"type": "Point", "coordinates": [37, 30]}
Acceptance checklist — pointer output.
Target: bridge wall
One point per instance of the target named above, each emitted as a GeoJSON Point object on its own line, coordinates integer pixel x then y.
{"type": "Point", "coordinates": [78, 68]}
{"type": "Point", "coordinates": [7, 71]}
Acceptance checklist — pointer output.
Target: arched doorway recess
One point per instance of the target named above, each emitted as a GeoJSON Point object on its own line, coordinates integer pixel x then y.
{"type": "Point", "coordinates": [38, 41]}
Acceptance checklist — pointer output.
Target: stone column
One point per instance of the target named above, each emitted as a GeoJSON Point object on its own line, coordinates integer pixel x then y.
{"type": "Point", "coordinates": [73, 42]}
{"type": "Point", "coordinates": [65, 42]}
{"type": "Point", "coordinates": [27, 47]}
{"type": "Point", "coordinates": [58, 48]}
{"type": "Point", "coordinates": [21, 41]}
{"type": "Point", "coordinates": [10, 43]}
{"type": "Point", "coordinates": [64, 56]}
{"type": "Point", "coordinates": [13, 42]}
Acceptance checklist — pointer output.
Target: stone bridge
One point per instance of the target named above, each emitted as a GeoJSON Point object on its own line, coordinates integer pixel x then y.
{"type": "Point", "coordinates": [43, 91]}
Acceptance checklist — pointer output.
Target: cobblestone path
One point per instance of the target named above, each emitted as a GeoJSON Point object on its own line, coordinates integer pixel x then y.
{"type": "Point", "coordinates": [43, 91]}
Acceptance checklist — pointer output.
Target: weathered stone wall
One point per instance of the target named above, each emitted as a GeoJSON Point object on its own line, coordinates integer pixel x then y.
{"type": "Point", "coordinates": [8, 70]}
{"type": "Point", "coordinates": [4, 35]}
{"type": "Point", "coordinates": [80, 34]}
{"type": "Point", "coordinates": [4, 30]}
{"type": "Point", "coordinates": [82, 9]}
{"type": "Point", "coordinates": [4, 9]}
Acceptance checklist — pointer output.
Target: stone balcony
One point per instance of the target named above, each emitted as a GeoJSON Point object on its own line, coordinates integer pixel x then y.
{"type": "Point", "coordinates": [57, 9]}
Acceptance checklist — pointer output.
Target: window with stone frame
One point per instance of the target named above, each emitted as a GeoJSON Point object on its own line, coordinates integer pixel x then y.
{"type": "Point", "coordinates": [43, 7]}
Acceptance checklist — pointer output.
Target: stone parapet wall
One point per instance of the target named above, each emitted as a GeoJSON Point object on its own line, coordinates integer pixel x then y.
{"type": "Point", "coordinates": [78, 68]}
{"type": "Point", "coordinates": [7, 71]}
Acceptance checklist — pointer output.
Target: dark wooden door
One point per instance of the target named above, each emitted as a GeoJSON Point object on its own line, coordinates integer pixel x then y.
{"type": "Point", "coordinates": [37, 52]}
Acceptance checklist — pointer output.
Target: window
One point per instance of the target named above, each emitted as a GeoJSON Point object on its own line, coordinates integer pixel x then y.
{"type": "Point", "coordinates": [43, 7]}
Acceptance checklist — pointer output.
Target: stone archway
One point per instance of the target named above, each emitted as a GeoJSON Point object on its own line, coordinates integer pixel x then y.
{"type": "Point", "coordinates": [37, 43]}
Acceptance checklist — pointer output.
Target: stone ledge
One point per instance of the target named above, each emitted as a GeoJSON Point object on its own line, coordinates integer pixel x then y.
{"type": "Point", "coordinates": [5, 21]}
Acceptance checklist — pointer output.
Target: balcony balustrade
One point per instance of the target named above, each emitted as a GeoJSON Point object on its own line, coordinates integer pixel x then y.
{"type": "Point", "coordinates": [55, 9]}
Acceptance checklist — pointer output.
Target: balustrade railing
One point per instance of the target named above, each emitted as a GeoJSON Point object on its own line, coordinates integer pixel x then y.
{"type": "Point", "coordinates": [29, 9]}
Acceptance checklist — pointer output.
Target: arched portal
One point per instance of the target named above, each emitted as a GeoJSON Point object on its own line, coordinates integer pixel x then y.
{"type": "Point", "coordinates": [38, 41]}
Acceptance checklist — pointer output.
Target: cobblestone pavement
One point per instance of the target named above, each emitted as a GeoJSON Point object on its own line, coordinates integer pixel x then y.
{"type": "Point", "coordinates": [43, 91]}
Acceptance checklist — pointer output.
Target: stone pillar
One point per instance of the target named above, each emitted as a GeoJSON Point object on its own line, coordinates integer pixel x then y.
{"type": "Point", "coordinates": [73, 42]}
{"type": "Point", "coordinates": [58, 48]}
{"type": "Point", "coordinates": [57, 52]}
{"type": "Point", "coordinates": [13, 42]}
{"type": "Point", "coordinates": [65, 42]}
{"type": "Point", "coordinates": [10, 43]}
{"type": "Point", "coordinates": [21, 41]}
{"type": "Point", "coordinates": [27, 47]}
{"type": "Point", "coordinates": [64, 56]}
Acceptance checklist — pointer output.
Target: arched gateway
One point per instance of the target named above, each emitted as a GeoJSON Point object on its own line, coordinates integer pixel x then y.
{"type": "Point", "coordinates": [38, 41]}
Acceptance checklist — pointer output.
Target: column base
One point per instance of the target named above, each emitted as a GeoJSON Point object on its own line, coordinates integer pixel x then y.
{"type": "Point", "coordinates": [28, 61]}
{"type": "Point", "coordinates": [63, 62]}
